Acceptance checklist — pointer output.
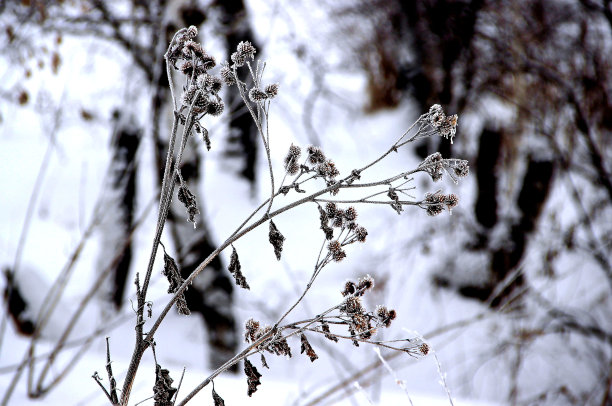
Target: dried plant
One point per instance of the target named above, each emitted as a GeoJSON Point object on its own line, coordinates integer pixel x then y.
{"type": "Point", "coordinates": [311, 174]}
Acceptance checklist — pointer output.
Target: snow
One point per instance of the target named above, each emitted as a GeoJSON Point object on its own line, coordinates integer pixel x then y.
{"type": "Point", "coordinates": [396, 252]}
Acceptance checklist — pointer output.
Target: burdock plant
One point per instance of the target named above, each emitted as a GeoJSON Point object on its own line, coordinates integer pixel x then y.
{"type": "Point", "coordinates": [314, 179]}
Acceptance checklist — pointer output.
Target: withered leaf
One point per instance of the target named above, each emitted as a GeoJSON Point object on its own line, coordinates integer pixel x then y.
{"type": "Point", "coordinates": [276, 239]}
{"type": "Point", "coordinates": [263, 362]}
{"type": "Point", "coordinates": [163, 392]}
{"type": "Point", "coordinates": [252, 377]}
{"type": "Point", "coordinates": [328, 334]}
{"type": "Point", "coordinates": [307, 348]}
{"type": "Point", "coordinates": [235, 269]}
{"type": "Point", "coordinates": [217, 399]}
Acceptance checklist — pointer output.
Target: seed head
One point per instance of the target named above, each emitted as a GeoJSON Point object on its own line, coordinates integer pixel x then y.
{"type": "Point", "coordinates": [215, 108]}
{"type": "Point", "coordinates": [227, 75]}
{"type": "Point", "coordinates": [361, 234]}
{"type": "Point", "coordinates": [256, 95]}
{"type": "Point", "coordinates": [433, 166]}
{"type": "Point", "coordinates": [210, 83]}
{"type": "Point", "coordinates": [350, 214]}
{"type": "Point", "coordinates": [352, 305]}
{"type": "Point", "coordinates": [349, 288]}
{"type": "Point", "coordinates": [364, 284]}
{"type": "Point", "coordinates": [462, 169]}
{"type": "Point", "coordinates": [192, 32]}
{"type": "Point", "coordinates": [330, 209]}
{"type": "Point", "coordinates": [315, 155]}
{"type": "Point", "coordinates": [385, 316]}
{"type": "Point", "coordinates": [334, 246]}
{"type": "Point", "coordinates": [338, 255]}
{"type": "Point", "coordinates": [271, 90]}
{"type": "Point", "coordinates": [208, 61]}
{"type": "Point", "coordinates": [451, 201]}
{"type": "Point", "coordinates": [246, 50]}
{"type": "Point", "coordinates": [424, 348]}
{"type": "Point", "coordinates": [192, 46]}
{"type": "Point", "coordinates": [291, 159]}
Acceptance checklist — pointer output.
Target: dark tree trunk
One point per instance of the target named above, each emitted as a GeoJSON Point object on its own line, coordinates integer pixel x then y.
{"type": "Point", "coordinates": [486, 162]}
{"type": "Point", "coordinates": [243, 139]}
{"type": "Point", "coordinates": [124, 144]}
{"type": "Point", "coordinates": [534, 191]}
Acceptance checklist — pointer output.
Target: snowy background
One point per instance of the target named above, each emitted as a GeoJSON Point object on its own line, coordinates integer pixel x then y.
{"type": "Point", "coordinates": [548, 344]}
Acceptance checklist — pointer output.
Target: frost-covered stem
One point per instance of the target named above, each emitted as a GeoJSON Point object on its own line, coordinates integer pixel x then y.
{"type": "Point", "coordinates": [267, 146]}
{"type": "Point", "coordinates": [165, 199]}
{"type": "Point", "coordinates": [400, 382]}
{"type": "Point", "coordinates": [402, 202]}
{"type": "Point", "coordinates": [164, 203]}
{"type": "Point", "coordinates": [53, 296]}
{"type": "Point", "coordinates": [186, 131]}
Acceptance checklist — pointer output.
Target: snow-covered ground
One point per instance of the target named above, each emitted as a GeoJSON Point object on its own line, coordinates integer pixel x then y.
{"type": "Point", "coordinates": [396, 253]}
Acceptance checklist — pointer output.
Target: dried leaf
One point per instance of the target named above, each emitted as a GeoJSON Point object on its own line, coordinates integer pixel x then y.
{"type": "Point", "coordinates": [392, 194]}
{"type": "Point", "coordinates": [171, 273]}
{"type": "Point", "coordinates": [307, 348]}
{"type": "Point", "coordinates": [217, 399]}
{"type": "Point", "coordinates": [263, 362]}
{"type": "Point", "coordinates": [206, 138]}
{"type": "Point", "coordinates": [181, 306]}
{"type": "Point", "coordinates": [189, 201]}
{"type": "Point", "coordinates": [163, 392]}
{"type": "Point", "coordinates": [175, 280]}
{"type": "Point", "coordinates": [324, 219]}
{"type": "Point", "coordinates": [252, 377]}
{"type": "Point", "coordinates": [252, 330]}
{"type": "Point", "coordinates": [234, 268]}
{"type": "Point", "coordinates": [280, 346]}
{"type": "Point", "coordinates": [276, 239]}
{"type": "Point", "coordinates": [328, 334]}
{"type": "Point", "coordinates": [353, 335]}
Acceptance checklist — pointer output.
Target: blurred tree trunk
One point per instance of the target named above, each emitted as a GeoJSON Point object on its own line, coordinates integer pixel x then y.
{"type": "Point", "coordinates": [243, 136]}
{"type": "Point", "coordinates": [121, 203]}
